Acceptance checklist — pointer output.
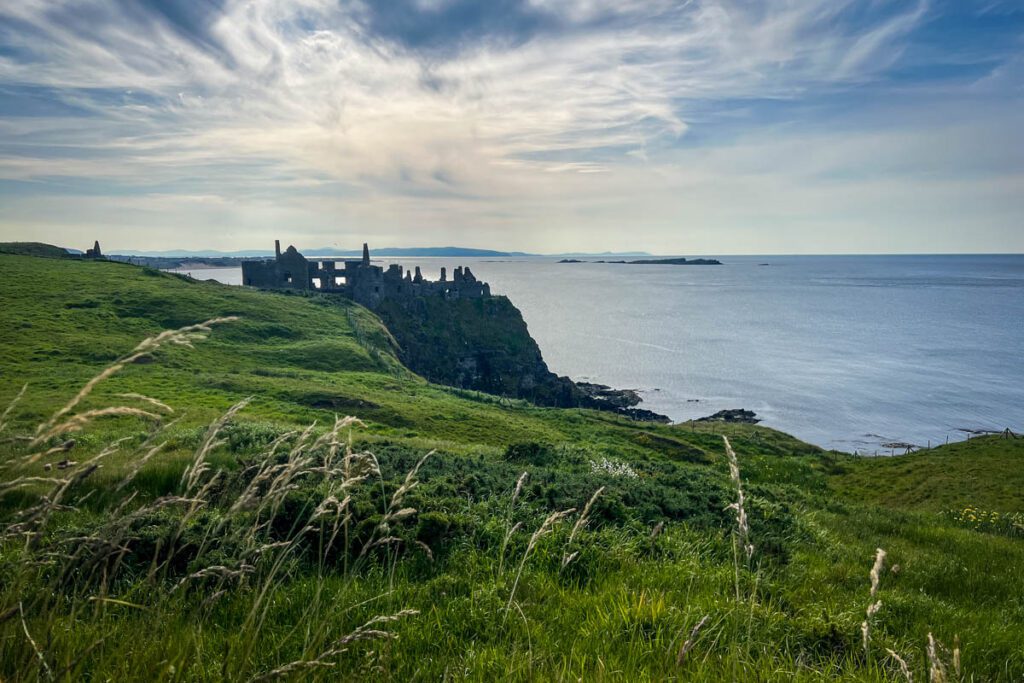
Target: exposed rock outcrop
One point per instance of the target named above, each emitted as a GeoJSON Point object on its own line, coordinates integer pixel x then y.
{"type": "Point", "coordinates": [734, 415]}
{"type": "Point", "coordinates": [484, 344]}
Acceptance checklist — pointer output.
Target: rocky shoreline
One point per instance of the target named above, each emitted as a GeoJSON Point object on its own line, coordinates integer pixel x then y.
{"type": "Point", "coordinates": [618, 401]}
{"type": "Point", "coordinates": [735, 415]}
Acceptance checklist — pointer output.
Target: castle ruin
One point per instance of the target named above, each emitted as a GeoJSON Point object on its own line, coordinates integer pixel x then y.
{"type": "Point", "coordinates": [360, 280]}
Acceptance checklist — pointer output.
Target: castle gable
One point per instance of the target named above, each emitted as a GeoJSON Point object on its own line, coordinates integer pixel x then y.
{"type": "Point", "coordinates": [360, 280]}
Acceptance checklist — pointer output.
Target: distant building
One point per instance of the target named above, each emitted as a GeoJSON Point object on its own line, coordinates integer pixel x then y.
{"type": "Point", "coordinates": [365, 283]}
{"type": "Point", "coordinates": [95, 251]}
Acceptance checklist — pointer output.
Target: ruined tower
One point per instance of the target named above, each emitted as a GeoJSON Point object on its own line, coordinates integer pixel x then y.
{"type": "Point", "coordinates": [363, 282]}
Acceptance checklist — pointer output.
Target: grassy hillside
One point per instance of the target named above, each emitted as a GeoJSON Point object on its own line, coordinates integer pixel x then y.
{"type": "Point", "coordinates": [986, 472]}
{"type": "Point", "coordinates": [454, 535]}
{"type": "Point", "coordinates": [32, 249]}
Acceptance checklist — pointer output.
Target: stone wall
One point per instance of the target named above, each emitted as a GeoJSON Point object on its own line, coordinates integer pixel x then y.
{"type": "Point", "coordinates": [360, 280]}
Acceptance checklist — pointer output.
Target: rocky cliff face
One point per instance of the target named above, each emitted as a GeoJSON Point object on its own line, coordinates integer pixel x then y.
{"type": "Point", "coordinates": [484, 344]}
{"type": "Point", "coordinates": [480, 344]}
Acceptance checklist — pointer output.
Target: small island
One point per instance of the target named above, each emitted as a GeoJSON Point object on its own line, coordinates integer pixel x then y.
{"type": "Point", "coordinates": [657, 262]}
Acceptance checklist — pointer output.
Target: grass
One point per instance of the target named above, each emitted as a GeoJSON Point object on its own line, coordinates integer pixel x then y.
{"type": "Point", "coordinates": [32, 249]}
{"type": "Point", "coordinates": [983, 471]}
{"type": "Point", "coordinates": [250, 544]}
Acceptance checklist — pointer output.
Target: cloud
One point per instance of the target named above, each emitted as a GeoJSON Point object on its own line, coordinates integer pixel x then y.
{"type": "Point", "coordinates": [509, 114]}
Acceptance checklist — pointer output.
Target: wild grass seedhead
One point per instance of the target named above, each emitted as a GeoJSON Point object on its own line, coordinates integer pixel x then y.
{"type": "Point", "coordinates": [221, 572]}
{"type": "Point", "coordinates": [739, 507]}
{"type": "Point", "coordinates": [520, 482]}
{"type": "Point", "coordinates": [511, 528]}
{"type": "Point", "coordinates": [76, 422]}
{"type": "Point", "coordinates": [324, 660]}
{"type": "Point", "coordinates": [192, 475]}
{"type": "Point", "coordinates": [10, 407]}
{"type": "Point", "coordinates": [690, 641]}
{"type": "Point", "coordinates": [904, 668]}
{"type": "Point", "coordinates": [410, 482]}
{"type": "Point", "coordinates": [873, 605]}
{"type": "Point", "coordinates": [936, 670]}
{"type": "Point", "coordinates": [141, 462]}
{"type": "Point", "coordinates": [546, 527]}
{"type": "Point", "coordinates": [956, 655]}
{"type": "Point", "coordinates": [147, 399]}
{"type": "Point", "coordinates": [876, 570]}
{"type": "Point", "coordinates": [394, 512]}
{"type": "Point", "coordinates": [581, 523]}
{"type": "Point", "coordinates": [182, 336]}
{"type": "Point", "coordinates": [39, 653]}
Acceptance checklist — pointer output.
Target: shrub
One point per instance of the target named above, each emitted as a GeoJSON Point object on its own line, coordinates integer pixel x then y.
{"type": "Point", "coordinates": [530, 453]}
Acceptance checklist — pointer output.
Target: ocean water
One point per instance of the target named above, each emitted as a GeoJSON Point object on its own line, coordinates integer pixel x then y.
{"type": "Point", "coordinates": [847, 352]}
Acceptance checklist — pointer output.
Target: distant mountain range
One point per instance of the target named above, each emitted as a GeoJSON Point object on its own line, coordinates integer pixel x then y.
{"type": "Point", "coordinates": [384, 251]}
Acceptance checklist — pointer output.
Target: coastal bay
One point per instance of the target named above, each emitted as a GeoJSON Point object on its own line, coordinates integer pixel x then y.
{"type": "Point", "coordinates": [847, 352]}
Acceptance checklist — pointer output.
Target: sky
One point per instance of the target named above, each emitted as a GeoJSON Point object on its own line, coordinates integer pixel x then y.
{"type": "Point", "coordinates": [674, 127]}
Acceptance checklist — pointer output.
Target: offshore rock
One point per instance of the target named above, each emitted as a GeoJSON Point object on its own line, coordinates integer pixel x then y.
{"type": "Point", "coordinates": [735, 415]}
{"type": "Point", "coordinates": [620, 398]}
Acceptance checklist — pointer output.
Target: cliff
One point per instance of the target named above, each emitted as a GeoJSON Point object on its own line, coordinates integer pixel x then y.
{"type": "Point", "coordinates": [452, 332]}
{"type": "Point", "coordinates": [484, 344]}
{"type": "Point", "coordinates": [480, 344]}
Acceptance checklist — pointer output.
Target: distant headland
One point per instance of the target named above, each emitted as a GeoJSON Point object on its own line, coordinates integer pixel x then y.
{"type": "Point", "coordinates": [417, 252]}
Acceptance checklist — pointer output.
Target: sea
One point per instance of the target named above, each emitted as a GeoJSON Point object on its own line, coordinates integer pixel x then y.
{"type": "Point", "coordinates": [847, 352]}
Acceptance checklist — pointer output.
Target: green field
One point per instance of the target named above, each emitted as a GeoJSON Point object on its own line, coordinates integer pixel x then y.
{"type": "Point", "coordinates": [175, 540]}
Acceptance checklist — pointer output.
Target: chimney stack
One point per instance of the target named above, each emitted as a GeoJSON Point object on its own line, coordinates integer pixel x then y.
{"type": "Point", "coordinates": [277, 248]}
{"type": "Point", "coordinates": [366, 254]}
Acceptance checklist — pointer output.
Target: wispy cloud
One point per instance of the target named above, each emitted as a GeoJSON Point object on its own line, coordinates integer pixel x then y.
{"type": "Point", "coordinates": [506, 118]}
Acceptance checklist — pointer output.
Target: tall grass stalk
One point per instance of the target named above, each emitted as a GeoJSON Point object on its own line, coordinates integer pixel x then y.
{"type": "Point", "coordinates": [10, 407]}
{"type": "Point", "coordinates": [688, 644]}
{"type": "Point", "coordinates": [742, 523]}
{"type": "Point", "coordinates": [183, 336]}
{"type": "Point", "coordinates": [904, 667]}
{"type": "Point", "coordinates": [873, 605]}
{"type": "Point", "coordinates": [581, 523]}
{"type": "Point", "coordinates": [936, 670]}
{"type": "Point", "coordinates": [510, 528]}
{"type": "Point", "coordinates": [546, 527]}
{"type": "Point", "coordinates": [94, 562]}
